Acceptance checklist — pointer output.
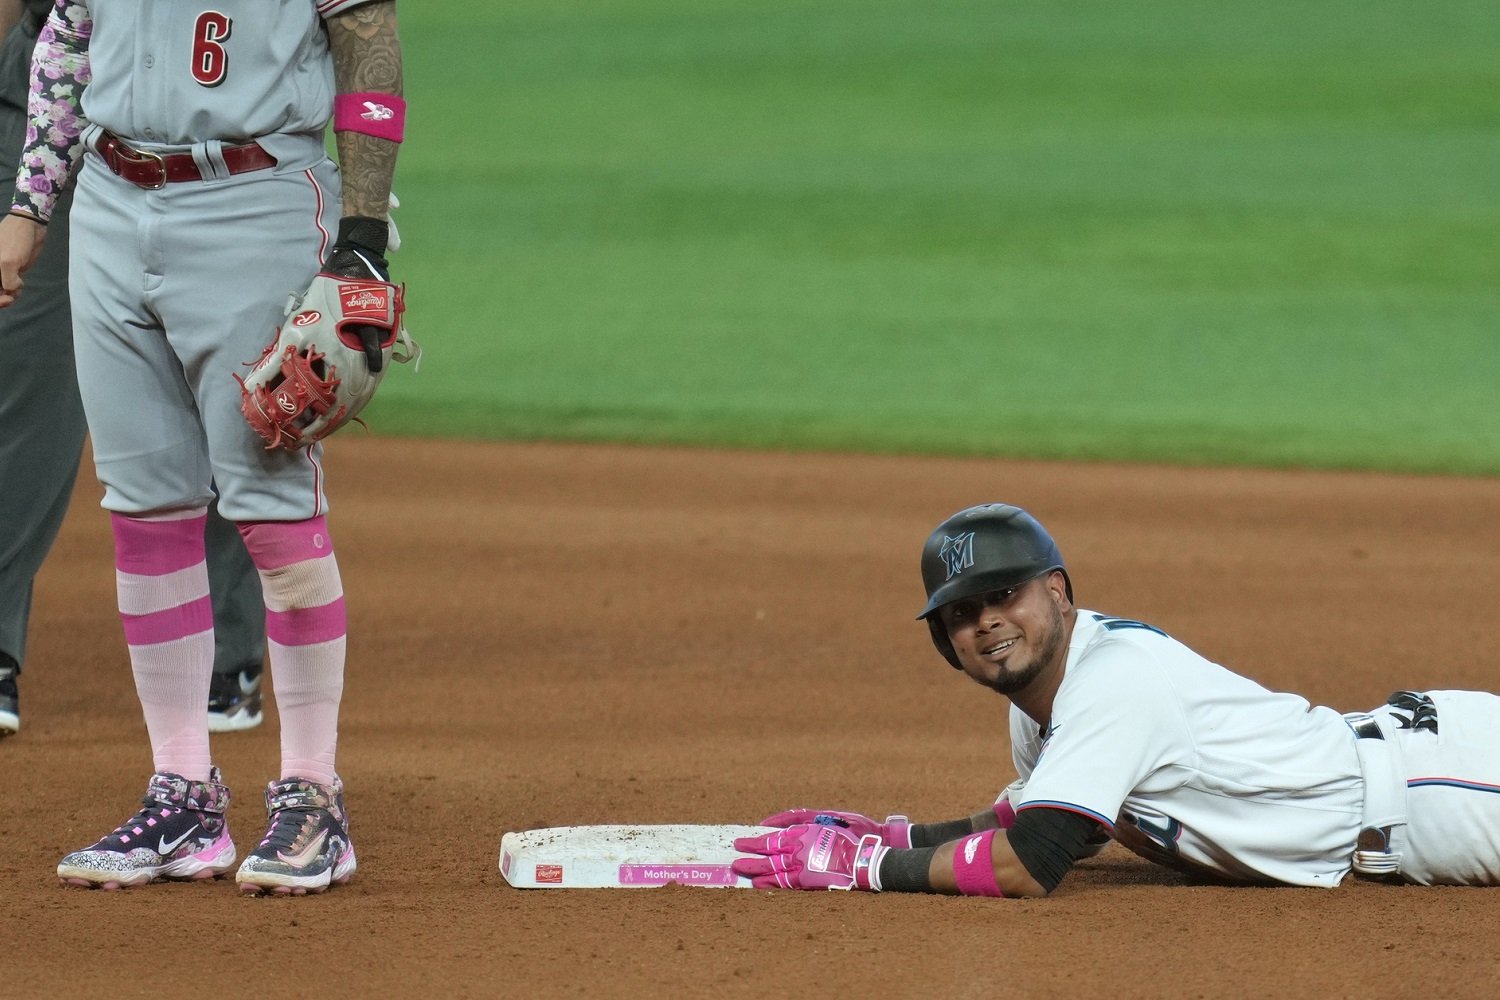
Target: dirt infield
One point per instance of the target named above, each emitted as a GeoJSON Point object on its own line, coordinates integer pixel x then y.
{"type": "Point", "coordinates": [545, 635]}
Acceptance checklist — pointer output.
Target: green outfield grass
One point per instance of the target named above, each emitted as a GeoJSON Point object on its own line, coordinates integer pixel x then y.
{"type": "Point", "coordinates": [1181, 230]}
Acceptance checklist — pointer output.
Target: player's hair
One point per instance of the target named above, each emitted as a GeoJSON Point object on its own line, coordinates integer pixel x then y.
{"type": "Point", "coordinates": [980, 549]}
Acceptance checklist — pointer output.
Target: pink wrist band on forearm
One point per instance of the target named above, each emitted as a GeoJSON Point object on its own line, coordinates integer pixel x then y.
{"type": "Point", "coordinates": [1005, 813]}
{"type": "Point", "coordinates": [973, 867]}
{"type": "Point", "coordinates": [380, 115]}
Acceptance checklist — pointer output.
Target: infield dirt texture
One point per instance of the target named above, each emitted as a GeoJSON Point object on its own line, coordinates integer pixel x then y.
{"type": "Point", "coordinates": [1174, 231]}
{"type": "Point", "coordinates": [546, 635]}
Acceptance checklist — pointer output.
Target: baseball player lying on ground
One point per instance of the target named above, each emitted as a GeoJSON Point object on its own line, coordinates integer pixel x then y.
{"type": "Point", "coordinates": [1118, 730]}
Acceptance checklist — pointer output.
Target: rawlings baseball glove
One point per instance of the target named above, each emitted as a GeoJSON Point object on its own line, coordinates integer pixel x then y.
{"type": "Point", "coordinates": [333, 347]}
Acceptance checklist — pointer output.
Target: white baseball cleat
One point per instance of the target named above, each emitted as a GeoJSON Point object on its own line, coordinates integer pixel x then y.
{"type": "Point", "coordinates": [234, 701]}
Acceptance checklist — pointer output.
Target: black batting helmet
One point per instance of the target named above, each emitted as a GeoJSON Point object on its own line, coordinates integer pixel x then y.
{"type": "Point", "coordinates": [980, 549]}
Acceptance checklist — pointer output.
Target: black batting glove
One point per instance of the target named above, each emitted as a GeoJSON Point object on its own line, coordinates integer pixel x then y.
{"type": "Point", "coordinates": [359, 252]}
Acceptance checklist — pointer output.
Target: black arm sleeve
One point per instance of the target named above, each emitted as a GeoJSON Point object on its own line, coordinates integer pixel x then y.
{"type": "Point", "coordinates": [1049, 841]}
{"type": "Point", "coordinates": [933, 834]}
{"type": "Point", "coordinates": [906, 871]}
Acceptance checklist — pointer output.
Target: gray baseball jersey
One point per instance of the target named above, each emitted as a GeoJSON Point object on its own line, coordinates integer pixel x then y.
{"type": "Point", "coordinates": [178, 285]}
{"type": "Point", "coordinates": [179, 73]}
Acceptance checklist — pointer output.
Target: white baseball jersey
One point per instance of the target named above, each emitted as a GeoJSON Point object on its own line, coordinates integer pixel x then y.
{"type": "Point", "coordinates": [174, 73]}
{"type": "Point", "coordinates": [1193, 766]}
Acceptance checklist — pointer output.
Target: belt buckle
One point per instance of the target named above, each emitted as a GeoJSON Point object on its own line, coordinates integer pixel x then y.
{"type": "Point", "coordinates": [147, 156]}
{"type": "Point", "coordinates": [122, 153]}
{"type": "Point", "coordinates": [1364, 725]}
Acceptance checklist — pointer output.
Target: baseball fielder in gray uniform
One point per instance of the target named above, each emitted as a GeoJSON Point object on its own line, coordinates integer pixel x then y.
{"type": "Point", "coordinates": [205, 201]}
{"type": "Point", "coordinates": [44, 434]}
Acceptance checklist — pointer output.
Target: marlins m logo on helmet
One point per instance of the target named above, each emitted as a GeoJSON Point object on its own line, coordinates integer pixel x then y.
{"type": "Point", "coordinates": [958, 552]}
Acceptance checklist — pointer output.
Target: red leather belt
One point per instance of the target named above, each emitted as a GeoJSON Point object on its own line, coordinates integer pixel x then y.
{"type": "Point", "coordinates": [153, 170]}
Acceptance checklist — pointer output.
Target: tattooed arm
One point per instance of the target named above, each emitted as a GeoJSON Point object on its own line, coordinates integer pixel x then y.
{"type": "Point", "coordinates": [366, 59]}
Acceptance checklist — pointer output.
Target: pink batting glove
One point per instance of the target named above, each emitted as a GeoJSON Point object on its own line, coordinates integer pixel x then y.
{"type": "Point", "coordinates": [812, 856]}
{"type": "Point", "coordinates": [895, 831]}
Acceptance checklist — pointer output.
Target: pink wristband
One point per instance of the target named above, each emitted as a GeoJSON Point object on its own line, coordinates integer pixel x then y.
{"type": "Point", "coordinates": [380, 115]}
{"type": "Point", "coordinates": [1005, 813]}
{"type": "Point", "coordinates": [973, 868]}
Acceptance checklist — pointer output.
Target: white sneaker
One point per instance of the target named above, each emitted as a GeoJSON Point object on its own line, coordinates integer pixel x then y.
{"type": "Point", "coordinates": [234, 701]}
{"type": "Point", "coordinates": [10, 700]}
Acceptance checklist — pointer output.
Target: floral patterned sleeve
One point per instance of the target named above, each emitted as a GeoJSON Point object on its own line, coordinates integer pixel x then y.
{"type": "Point", "coordinates": [59, 72]}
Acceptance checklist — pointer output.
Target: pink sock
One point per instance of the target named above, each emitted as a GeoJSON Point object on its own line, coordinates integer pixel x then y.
{"type": "Point", "coordinates": [162, 583]}
{"type": "Point", "coordinates": [305, 632]}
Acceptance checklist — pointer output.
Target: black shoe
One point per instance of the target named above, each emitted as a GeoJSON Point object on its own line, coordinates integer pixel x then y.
{"type": "Point", "coordinates": [10, 700]}
{"type": "Point", "coordinates": [234, 701]}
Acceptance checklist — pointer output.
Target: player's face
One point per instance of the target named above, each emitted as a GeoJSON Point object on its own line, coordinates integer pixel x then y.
{"type": "Point", "coordinates": [1006, 639]}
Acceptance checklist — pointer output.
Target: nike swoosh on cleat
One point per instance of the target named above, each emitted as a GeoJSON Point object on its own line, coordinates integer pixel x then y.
{"type": "Point", "coordinates": [163, 847]}
{"type": "Point", "coordinates": [308, 854]}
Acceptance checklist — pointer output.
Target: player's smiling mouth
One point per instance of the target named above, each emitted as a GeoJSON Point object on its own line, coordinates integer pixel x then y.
{"type": "Point", "coordinates": [1000, 647]}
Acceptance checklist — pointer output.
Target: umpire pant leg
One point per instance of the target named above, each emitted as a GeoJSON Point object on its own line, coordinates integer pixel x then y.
{"type": "Point", "coordinates": [234, 588]}
{"type": "Point", "coordinates": [42, 427]}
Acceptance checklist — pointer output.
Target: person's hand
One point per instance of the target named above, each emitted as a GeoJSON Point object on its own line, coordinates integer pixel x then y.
{"type": "Point", "coordinates": [811, 856]}
{"type": "Point", "coordinates": [359, 254]}
{"type": "Point", "coordinates": [21, 239]}
{"type": "Point", "coordinates": [895, 831]}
